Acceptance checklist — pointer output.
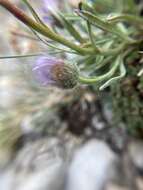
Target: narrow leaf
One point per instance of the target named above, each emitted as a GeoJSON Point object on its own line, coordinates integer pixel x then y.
{"type": "Point", "coordinates": [96, 21]}
{"type": "Point", "coordinates": [35, 15]}
{"type": "Point", "coordinates": [20, 56]}
{"type": "Point", "coordinates": [114, 79]}
{"type": "Point", "coordinates": [71, 29]}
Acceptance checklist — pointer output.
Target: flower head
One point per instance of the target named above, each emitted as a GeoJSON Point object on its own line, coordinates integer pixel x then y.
{"type": "Point", "coordinates": [52, 71]}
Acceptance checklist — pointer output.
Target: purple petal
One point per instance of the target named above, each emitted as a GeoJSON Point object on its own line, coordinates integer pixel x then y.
{"type": "Point", "coordinates": [42, 61]}
{"type": "Point", "coordinates": [43, 70]}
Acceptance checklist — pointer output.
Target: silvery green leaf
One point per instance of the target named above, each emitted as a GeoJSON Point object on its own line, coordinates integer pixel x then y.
{"type": "Point", "coordinates": [71, 29]}
{"type": "Point", "coordinates": [102, 24]}
{"type": "Point", "coordinates": [114, 79]}
{"type": "Point", "coordinates": [20, 56]}
{"type": "Point", "coordinates": [35, 15]}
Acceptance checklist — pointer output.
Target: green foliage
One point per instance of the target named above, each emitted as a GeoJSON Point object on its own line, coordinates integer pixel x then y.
{"type": "Point", "coordinates": [101, 31]}
{"type": "Point", "coordinates": [103, 38]}
{"type": "Point", "coordinates": [127, 99]}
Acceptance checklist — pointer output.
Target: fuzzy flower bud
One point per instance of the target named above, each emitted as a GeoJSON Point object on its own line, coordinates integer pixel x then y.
{"type": "Point", "coordinates": [52, 71]}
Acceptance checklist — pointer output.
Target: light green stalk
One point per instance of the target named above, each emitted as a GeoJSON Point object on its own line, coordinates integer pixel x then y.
{"type": "Point", "coordinates": [110, 73]}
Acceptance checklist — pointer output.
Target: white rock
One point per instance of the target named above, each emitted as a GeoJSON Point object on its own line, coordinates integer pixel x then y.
{"type": "Point", "coordinates": [40, 165]}
{"type": "Point", "coordinates": [92, 166]}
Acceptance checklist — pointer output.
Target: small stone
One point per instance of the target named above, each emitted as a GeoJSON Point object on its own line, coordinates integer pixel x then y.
{"type": "Point", "coordinates": [136, 153]}
{"type": "Point", "coordinates": [97, 124]}
{"type": "Point", "coordinates": [115, 187]}
{"type": "Point", "coordinates": [92, 166]}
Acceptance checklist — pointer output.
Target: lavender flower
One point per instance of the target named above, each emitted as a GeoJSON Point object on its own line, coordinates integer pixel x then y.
{"type": "Point", "coordinates": [51, 4]}
{"type": "Point", "coordinates": [52, 71]}
{"type": "Point", "coordinates": [48, 8]}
